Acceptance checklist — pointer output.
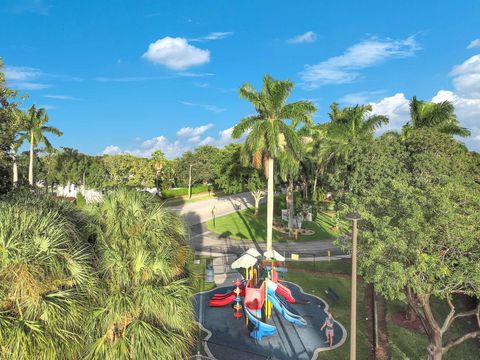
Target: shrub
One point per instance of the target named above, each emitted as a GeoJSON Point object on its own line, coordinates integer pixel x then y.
{"type": "Point", "coordinates": [145, 309]}
{"type": "Point", "coordinates": [46, 280]}
{"type": "Point", "coordinates": [169, 193]}
{"type": "Point", "coordinates": [80, 201]}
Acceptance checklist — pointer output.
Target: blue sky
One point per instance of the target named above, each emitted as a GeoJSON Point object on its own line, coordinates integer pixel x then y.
{"type": "Point", "coordinates": [143, 75]}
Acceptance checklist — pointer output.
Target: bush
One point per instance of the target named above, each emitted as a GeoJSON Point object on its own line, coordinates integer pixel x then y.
{"type": "Point", "coordinates": [80, 201]}
{"type": "Point", "coordinates": [169, 193]}
{"type": "Point", "coordinates": [46, 279]}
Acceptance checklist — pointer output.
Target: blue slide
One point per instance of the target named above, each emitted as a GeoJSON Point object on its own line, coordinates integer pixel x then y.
{"type": "Point", "coordinates": [288, 315]}
{"type": "Point", "coordinates": [261, 329]}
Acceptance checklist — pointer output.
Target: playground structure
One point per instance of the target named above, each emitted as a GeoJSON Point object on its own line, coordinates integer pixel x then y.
{"type": "Point", "coordinates": [261, 292]}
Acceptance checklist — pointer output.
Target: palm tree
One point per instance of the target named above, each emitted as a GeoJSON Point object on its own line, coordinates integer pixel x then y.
{"type": "Point", "coordinates": [34, 132]}
{"type": "Point", "coordinates": [439, 116]}
{"type": "Point", "coordinates": [46, 279]}
{"type": "Point", "coordinates": [268, 133]}
{"type": "Point", "coordinates": [159, 160]}
{"type": "Point", "coordinates": [145, 309]}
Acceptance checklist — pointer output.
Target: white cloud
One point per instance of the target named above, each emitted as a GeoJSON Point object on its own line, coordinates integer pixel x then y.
{"type": "Point", "coordinates": [176, 53]}
{"type": "Point", "coordinates": [207, 107]}
{"type": "Point", "coordinates": [60, 97]}
{"type": "Point", "coordinates": [397, 109]}
{"type": "Point", "coordinates": [176, 147]}
{"type": "Point", "coordinates": [308, 37]}
{"type": "Point", "coordinates": [24, 78]}
{"type": "Point", "coordinates": [474, 43]}
{"type": "Point", "coordinates": [193, 132]}
{"type": "Point", "coordinates": [345, 68]}
{"type": "Point", "coordinates": [466, 77]}
{"type": "Point", "coordinates": [218, 35]}
{"type": "Point", "coordinates": [112, 150]}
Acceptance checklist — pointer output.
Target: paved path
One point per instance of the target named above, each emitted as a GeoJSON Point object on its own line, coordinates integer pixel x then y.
{"type": "Point", "coordinates": [201, 211]}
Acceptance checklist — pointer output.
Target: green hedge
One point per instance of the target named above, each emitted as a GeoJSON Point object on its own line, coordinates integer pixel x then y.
{"type": "Point", "coordinates": [184, 191]}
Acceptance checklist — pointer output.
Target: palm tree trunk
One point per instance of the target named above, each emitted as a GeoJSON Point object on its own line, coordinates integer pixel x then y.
{"type": "Point", "coordinates": [290, 206]}
{"type": "Point", "coordinates": [15, 169]}
{"type": "Point", "coordinates": [270, 205]}
{"type": "Point", "coordinates": [30, 167]}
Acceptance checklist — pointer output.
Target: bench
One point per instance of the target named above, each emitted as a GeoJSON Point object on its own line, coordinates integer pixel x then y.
{"type": "Point", "coordinates": [332, 295]}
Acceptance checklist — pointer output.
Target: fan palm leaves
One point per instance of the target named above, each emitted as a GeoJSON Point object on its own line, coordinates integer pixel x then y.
{"type": "Point", "coordinates": [34, 132]}
{"type": "Point", "coordinates": [268, 133]}
{"type": "Point", "coordinates": [45, 281]}
{"type": "Point", "coordinates": [146, 310]}
{"type": "Point", "coordinates": [439, 116]}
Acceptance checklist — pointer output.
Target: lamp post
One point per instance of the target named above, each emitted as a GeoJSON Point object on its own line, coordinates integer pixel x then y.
{"type": "Point", "coordinates": [354, 217]}
{"type": "Point", "coordinates": [214, 211]}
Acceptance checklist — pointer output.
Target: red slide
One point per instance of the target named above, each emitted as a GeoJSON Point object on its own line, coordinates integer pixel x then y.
{"type": "Point", "coordinates": [223, 296]}
{"type": "Point", "coordinates": [285, 292]}
{"type": "Point", "coordinates": [223, 301]}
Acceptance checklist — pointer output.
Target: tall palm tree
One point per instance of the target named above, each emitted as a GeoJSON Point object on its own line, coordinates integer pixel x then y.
{"type": "Point", "coordinates": [439, 116]}
{"type": "Point", "coordinates": [34, 132]}
{"type": "Point", "coordinates": [145, 309]}
{"type": "Point", "coordinates": [268, 133]}
{"type": "Point", "coordinates": [350, 125]}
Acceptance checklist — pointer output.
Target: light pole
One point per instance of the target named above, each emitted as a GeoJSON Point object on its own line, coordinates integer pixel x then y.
{"type": "Point", "coordinates": [354, 217]}
{"type": "Point", "coordinates": [214, 211]}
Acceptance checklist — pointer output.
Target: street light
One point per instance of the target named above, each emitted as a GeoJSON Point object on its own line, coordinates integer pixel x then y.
{"type": "Point", "coordinates": [354, 217]}
{"type": "Point", "coordinates": [214, 211]}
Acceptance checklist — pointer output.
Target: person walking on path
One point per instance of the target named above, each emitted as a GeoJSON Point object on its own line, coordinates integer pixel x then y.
{"type": "Point", "coordinates": [329, 331]}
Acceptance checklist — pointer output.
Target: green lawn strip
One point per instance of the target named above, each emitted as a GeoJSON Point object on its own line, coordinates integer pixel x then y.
{"type": "Point", "coordinates": [245, 225]}
{"type": "Point", "coordinates": [333, 266]}
{"type": "Point", "coordinates": [316, 284]}
{"type": "Point", "coordinates": [406, 344]}
{"type": "Point", "coordinates": [181, 200]}
{"type": "Point", "coordinates": [198, 275]}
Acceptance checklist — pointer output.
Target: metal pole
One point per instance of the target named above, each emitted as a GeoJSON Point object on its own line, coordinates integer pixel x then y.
{"type": "Point", "coordinates": [353, 320]}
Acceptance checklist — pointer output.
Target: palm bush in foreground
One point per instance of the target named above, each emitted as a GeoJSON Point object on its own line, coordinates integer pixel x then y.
{"type": "Point", "coordinates": [145, 310]}
{"type": "Point", "coordinates": [45, 280]}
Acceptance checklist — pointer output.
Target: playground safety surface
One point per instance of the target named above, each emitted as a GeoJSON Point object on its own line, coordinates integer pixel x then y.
{"type": "Point", "coordinates": [228, 338]}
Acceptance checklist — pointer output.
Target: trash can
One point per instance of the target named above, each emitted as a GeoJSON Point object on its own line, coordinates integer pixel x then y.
{"type": "Point", "coordinates": [209, 274]}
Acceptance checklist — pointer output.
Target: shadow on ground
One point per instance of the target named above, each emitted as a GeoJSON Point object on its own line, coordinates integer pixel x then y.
{"type": "Point", "coordinates": [229, 338]}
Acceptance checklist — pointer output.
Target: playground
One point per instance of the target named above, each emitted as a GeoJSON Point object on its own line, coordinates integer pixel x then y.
{"type": "Point", "coordinates": [263, 317]}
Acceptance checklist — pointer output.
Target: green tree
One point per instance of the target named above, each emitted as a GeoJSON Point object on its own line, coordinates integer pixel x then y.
{"type": "Point", "coordinates": [351, 125]}
{"type": "Point", "coordinates": [419, 229]}
{"type": "Point", "coordinates": [202, 160]}
{"type": "Point", "coordinates": [7, 130]}
{"type": "Point", "coordinates": [269, 135]}
{"type": "Point", "coordinates": [46, 278]}
{"type": "Point", "coordinates": [439, 116]}
{"type": "Point", "coordinates": [145, 309]}
{"type": "Point", "coordinates": [159, 160]}
{"type": "Point", "coordinates": [34, 132]}
{"type": "Point", "coordinates": [233, 177]}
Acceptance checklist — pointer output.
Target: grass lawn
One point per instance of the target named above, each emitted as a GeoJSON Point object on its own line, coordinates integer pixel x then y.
{"type": "Point", "coordinates": [334, 266]}
{"type": "Point", "coordinates": [406, 344]}
{"type": "Point", "coordinates": [181, 200]}
{"type": "Point", "coordinates": [245, 225]}
{"type": "Point", "coordinates": [198, 275]}
{"type": "Point", "coordinates": [316, 284]}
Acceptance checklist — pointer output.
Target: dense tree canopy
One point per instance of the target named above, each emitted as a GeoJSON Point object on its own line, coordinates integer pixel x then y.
{"type": "Point", "coordinates": [419, 232]}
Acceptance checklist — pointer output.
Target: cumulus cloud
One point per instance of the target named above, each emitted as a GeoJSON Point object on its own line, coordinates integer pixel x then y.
{"type": "Point", "coordinates": [397, 109]}
{"type": "Point", "coordinates": [308, 37]}
{"type": "Point", "coordinates": [176, 53]}
{"type": "Point", "coordinates": [345, 68]}
{"type": "Point", "coordinates": [474, 43]}
{"type": "Point", "coordinates": [187, 138]}
{"type": "Point", "coordinates": [193, 132]}
{"type": "Point", "coordinates": [361, 97]}
{"type": "Point", "coordinates": [466, 77]}
{"type": "Point", "coordinates": [112, 150]}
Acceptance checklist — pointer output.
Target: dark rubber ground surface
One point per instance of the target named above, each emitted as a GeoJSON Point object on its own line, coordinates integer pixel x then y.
{"type": "Point", "coordinates": [230, 337]}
